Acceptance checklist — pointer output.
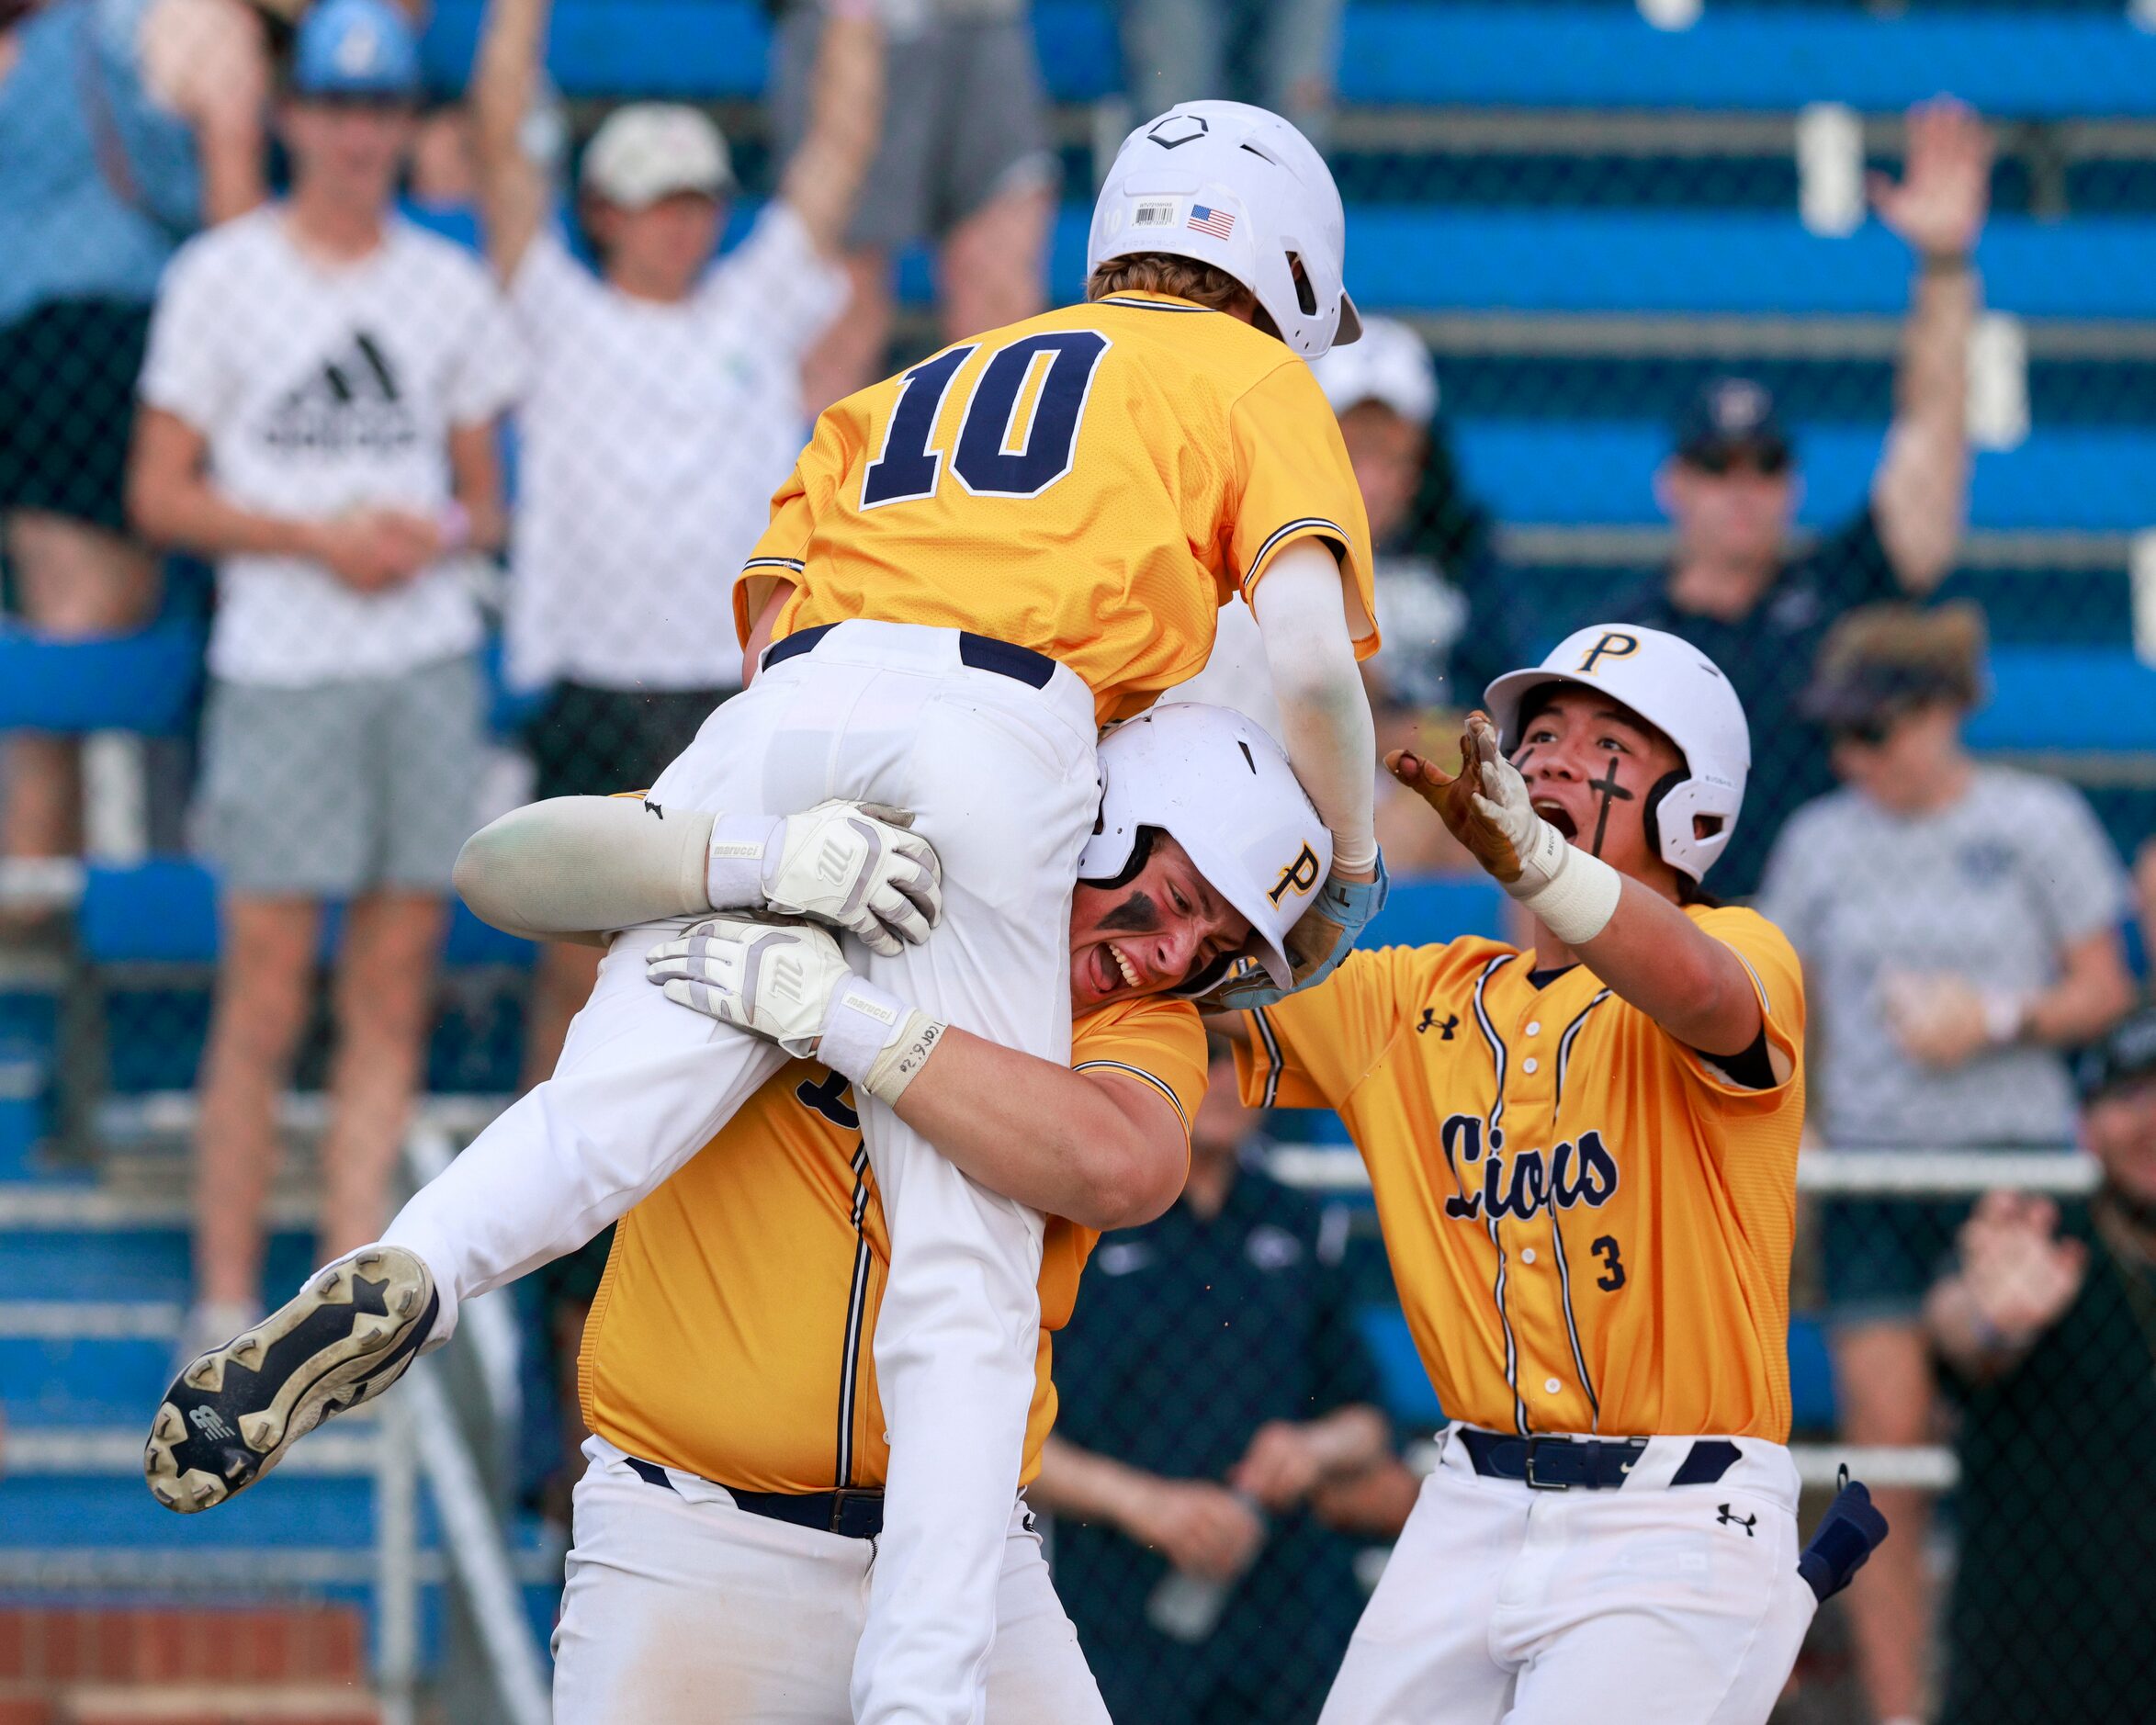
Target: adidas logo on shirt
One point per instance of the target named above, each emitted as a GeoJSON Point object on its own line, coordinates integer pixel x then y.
{"type": "Point", "coordinates": [352, 402]}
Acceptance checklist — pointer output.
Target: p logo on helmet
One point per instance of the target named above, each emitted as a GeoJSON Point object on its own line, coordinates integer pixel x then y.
{"type": "Point", "coordinates": [1300, 876]}
{"type": "Point", "coordinates": [1612, 644]}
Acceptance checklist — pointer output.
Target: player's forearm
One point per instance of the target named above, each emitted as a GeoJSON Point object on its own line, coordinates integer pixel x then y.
{"type": "Point", "coordinates": [1655, 957]}
{"type": "Point", "coordinates": [776, 593]}
{"type": "Point", "coordinates": [580, 865]}
{"type": "Point", "coordinates": [1055, 1140]}
{"type": "Point", "coordinates": [1325, 711]}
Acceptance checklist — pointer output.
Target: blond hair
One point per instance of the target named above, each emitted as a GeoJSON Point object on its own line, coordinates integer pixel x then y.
{"type": "Point", "coordinates": [1942, 644]}
{"type": "Point", "coordinates": [1164, 273]}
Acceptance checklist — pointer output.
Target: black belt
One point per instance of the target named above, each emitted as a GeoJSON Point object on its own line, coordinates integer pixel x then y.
{"type": "Point", "coordinates": [982, 652]}
{"type": "Point", "coordinates": [856, 1513]}
{"type": "Point", "coordinates": [1593, 1464]}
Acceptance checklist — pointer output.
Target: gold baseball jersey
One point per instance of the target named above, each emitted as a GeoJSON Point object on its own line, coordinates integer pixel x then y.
{"type": "Point", "coordinates": [730, 1336]}
{"type": "Point", "coordinates": [1094, 483]}
{"type": "Point", "coordinates": [1589, 1223]}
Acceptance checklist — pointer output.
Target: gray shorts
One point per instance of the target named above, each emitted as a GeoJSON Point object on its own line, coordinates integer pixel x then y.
{"type": "Point", "coordinates": [334, 790]}
{"type": "Point", "coordinates": [966, 121]}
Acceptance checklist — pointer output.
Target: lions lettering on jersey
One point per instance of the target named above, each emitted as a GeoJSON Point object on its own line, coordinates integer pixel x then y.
{"type": "Point", "coordinates": [1094, 483]}
{"type": "Point", "coordinates": [1589, 1223]}
{"type": "Point", "coordinates": [1570, 1174]}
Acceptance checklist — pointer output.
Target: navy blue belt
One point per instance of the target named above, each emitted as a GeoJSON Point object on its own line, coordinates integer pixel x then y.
{"type": "Point", "coordinates": [982, 652]}
{"type": "Point", "coordinates": [1593, 1464]}
{"type": "Point", "coordinates": [856, 1513]}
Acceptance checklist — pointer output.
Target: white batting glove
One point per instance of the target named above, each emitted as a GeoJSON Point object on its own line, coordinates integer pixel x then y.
{"type": "Point", "coordinates": [1573, 894]}
{"type": "Point", "coordinates": [854, 866]}
{"type": "Point", "coordinates": [789, 983]}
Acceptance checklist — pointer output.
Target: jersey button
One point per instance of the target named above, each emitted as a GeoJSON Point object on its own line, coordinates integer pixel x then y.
{"type": "Point", "coordinates": [1535, 1029]}
{"type": "Point", "coordinates": [1552, 1386]}
{"type": "Point", "coordinates": [1530, 1063]}
{"type": "Point", "coordinates": [1527, 1257]}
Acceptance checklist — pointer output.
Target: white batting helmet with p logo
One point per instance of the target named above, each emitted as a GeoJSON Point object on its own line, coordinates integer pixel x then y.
{"type": "Point", "coordinates": [1680, 690]}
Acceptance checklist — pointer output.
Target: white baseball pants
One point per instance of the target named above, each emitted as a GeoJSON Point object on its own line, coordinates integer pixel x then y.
{"type": "Point", "coordinates": [684, 1610]}
{"type": "Point", "coordinates": [1649, 1605]}
{"type": "Point", "coordinates": [1001, 777]}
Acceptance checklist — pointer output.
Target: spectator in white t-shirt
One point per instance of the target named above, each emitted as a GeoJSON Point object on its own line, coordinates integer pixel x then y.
{"type": "Point", "coordinates": [665, 408]}
{"type": "Point", "coordinates": [317, 414]}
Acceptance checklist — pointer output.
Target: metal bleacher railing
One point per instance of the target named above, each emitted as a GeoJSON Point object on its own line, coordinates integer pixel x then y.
{"type": "Point", "coordinates": [353, 1523]}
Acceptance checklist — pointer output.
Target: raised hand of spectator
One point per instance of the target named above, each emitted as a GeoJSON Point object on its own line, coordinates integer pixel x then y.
{"type": "Point", "coordinates": [1939, 204]}
{"type": "Point", "coordinates": [372, 549]}
{"type": "Point", "coordinates": [1282, 1466]}
{"type": "Point", "coordinates": [1202, 1529]}
{"type": "Point", "coordinates": [2020, 1276]}
{"type": "Point", "coordinates": [1938, 1021]}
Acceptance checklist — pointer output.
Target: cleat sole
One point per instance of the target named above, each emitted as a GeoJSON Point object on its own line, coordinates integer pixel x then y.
{"type": "Point", "coordinates": [230, 1416]}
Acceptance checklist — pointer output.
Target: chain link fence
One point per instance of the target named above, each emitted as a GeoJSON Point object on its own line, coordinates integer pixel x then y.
{"type": "Point", "coordinates": [378, 444]}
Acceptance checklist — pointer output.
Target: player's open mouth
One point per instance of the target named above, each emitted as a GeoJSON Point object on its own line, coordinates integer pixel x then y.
{"type": "Point", "coordinates": [1557, 816]}
{"type": "Point", "coordinates": [1111, 970]}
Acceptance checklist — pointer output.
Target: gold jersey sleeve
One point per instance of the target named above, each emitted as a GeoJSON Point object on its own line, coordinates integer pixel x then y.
{"type": "Point", "coordinates": [731, 1334]}
{"type": "Point", "coordinates": [1094, 483]}
{"type": "Point", "coordinates": [1589, 1223]}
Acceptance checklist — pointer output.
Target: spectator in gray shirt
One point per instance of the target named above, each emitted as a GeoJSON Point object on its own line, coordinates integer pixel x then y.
{"type": "Point", "coordinates": [1958, 925]}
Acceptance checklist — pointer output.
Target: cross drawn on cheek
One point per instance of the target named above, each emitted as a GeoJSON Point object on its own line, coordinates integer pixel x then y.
{"type": "Point", "coordinates": [1612, 792]}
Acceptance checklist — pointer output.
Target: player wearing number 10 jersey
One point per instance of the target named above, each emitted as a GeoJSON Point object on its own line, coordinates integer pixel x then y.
{"type": "Point", "coordinates": [973, 566]}
{"type": "Point", "coordinates": [1168, 451]}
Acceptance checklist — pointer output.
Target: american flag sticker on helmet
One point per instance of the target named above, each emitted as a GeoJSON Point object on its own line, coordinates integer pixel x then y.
{"type": "Point", "coordinates": [1217, 222]}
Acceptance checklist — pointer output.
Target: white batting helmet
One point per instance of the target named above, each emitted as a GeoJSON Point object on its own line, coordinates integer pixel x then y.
{"type": "Point", "coordinates": [1237, 187]}
{"type": "Point", "coordinates": [1220, 787]}
{"type": "Point", "coordinates": [1680, 690]}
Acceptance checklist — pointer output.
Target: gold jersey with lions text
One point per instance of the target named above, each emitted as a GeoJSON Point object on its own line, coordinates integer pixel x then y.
{"type": "Point", "coordinates": [1094, 483]}
{"type": "Point", "coordinates": [730, 1336]}
{"type": "Point", "coordinates": [1589, 1223]}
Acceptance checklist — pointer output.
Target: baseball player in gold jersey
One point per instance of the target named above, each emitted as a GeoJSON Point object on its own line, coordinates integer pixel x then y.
{"type": "Point", "coordinates": [724, 1531]}
{"type": "Point", "coordinates": [975, 564]}
{"type": "Point", "coordinates": [1584, 1157]}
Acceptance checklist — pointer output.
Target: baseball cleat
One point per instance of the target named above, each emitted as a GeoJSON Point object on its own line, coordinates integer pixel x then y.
{"type": "Point", "coordinates": [231, 1413]}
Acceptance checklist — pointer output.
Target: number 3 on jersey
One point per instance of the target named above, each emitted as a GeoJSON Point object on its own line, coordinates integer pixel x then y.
{"type": "Point", "coordinates": [1000, 452]}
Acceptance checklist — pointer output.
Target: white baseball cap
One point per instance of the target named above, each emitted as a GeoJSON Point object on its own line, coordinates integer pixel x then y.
{"type": "Point", "coordinates": [1389, 365]}
{"type": "Point", "coordinates": [648, 150]}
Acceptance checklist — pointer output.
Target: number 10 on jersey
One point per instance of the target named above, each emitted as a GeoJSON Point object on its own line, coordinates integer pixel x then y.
{"type": "Point", "coordinates": [997, 453]}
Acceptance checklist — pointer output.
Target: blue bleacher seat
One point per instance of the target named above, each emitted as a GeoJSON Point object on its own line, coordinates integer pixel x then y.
{"type": "Point", "coordinates": [2030, 65]}
{"type": "Point", "coordinates": [145, 681]}
{"type": "Point", "coordinates": [164, 911]}
{"type": "Point", "coordinates": [1587, 473]}
{"type": "Point", "coordinates": [1409, 258]}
